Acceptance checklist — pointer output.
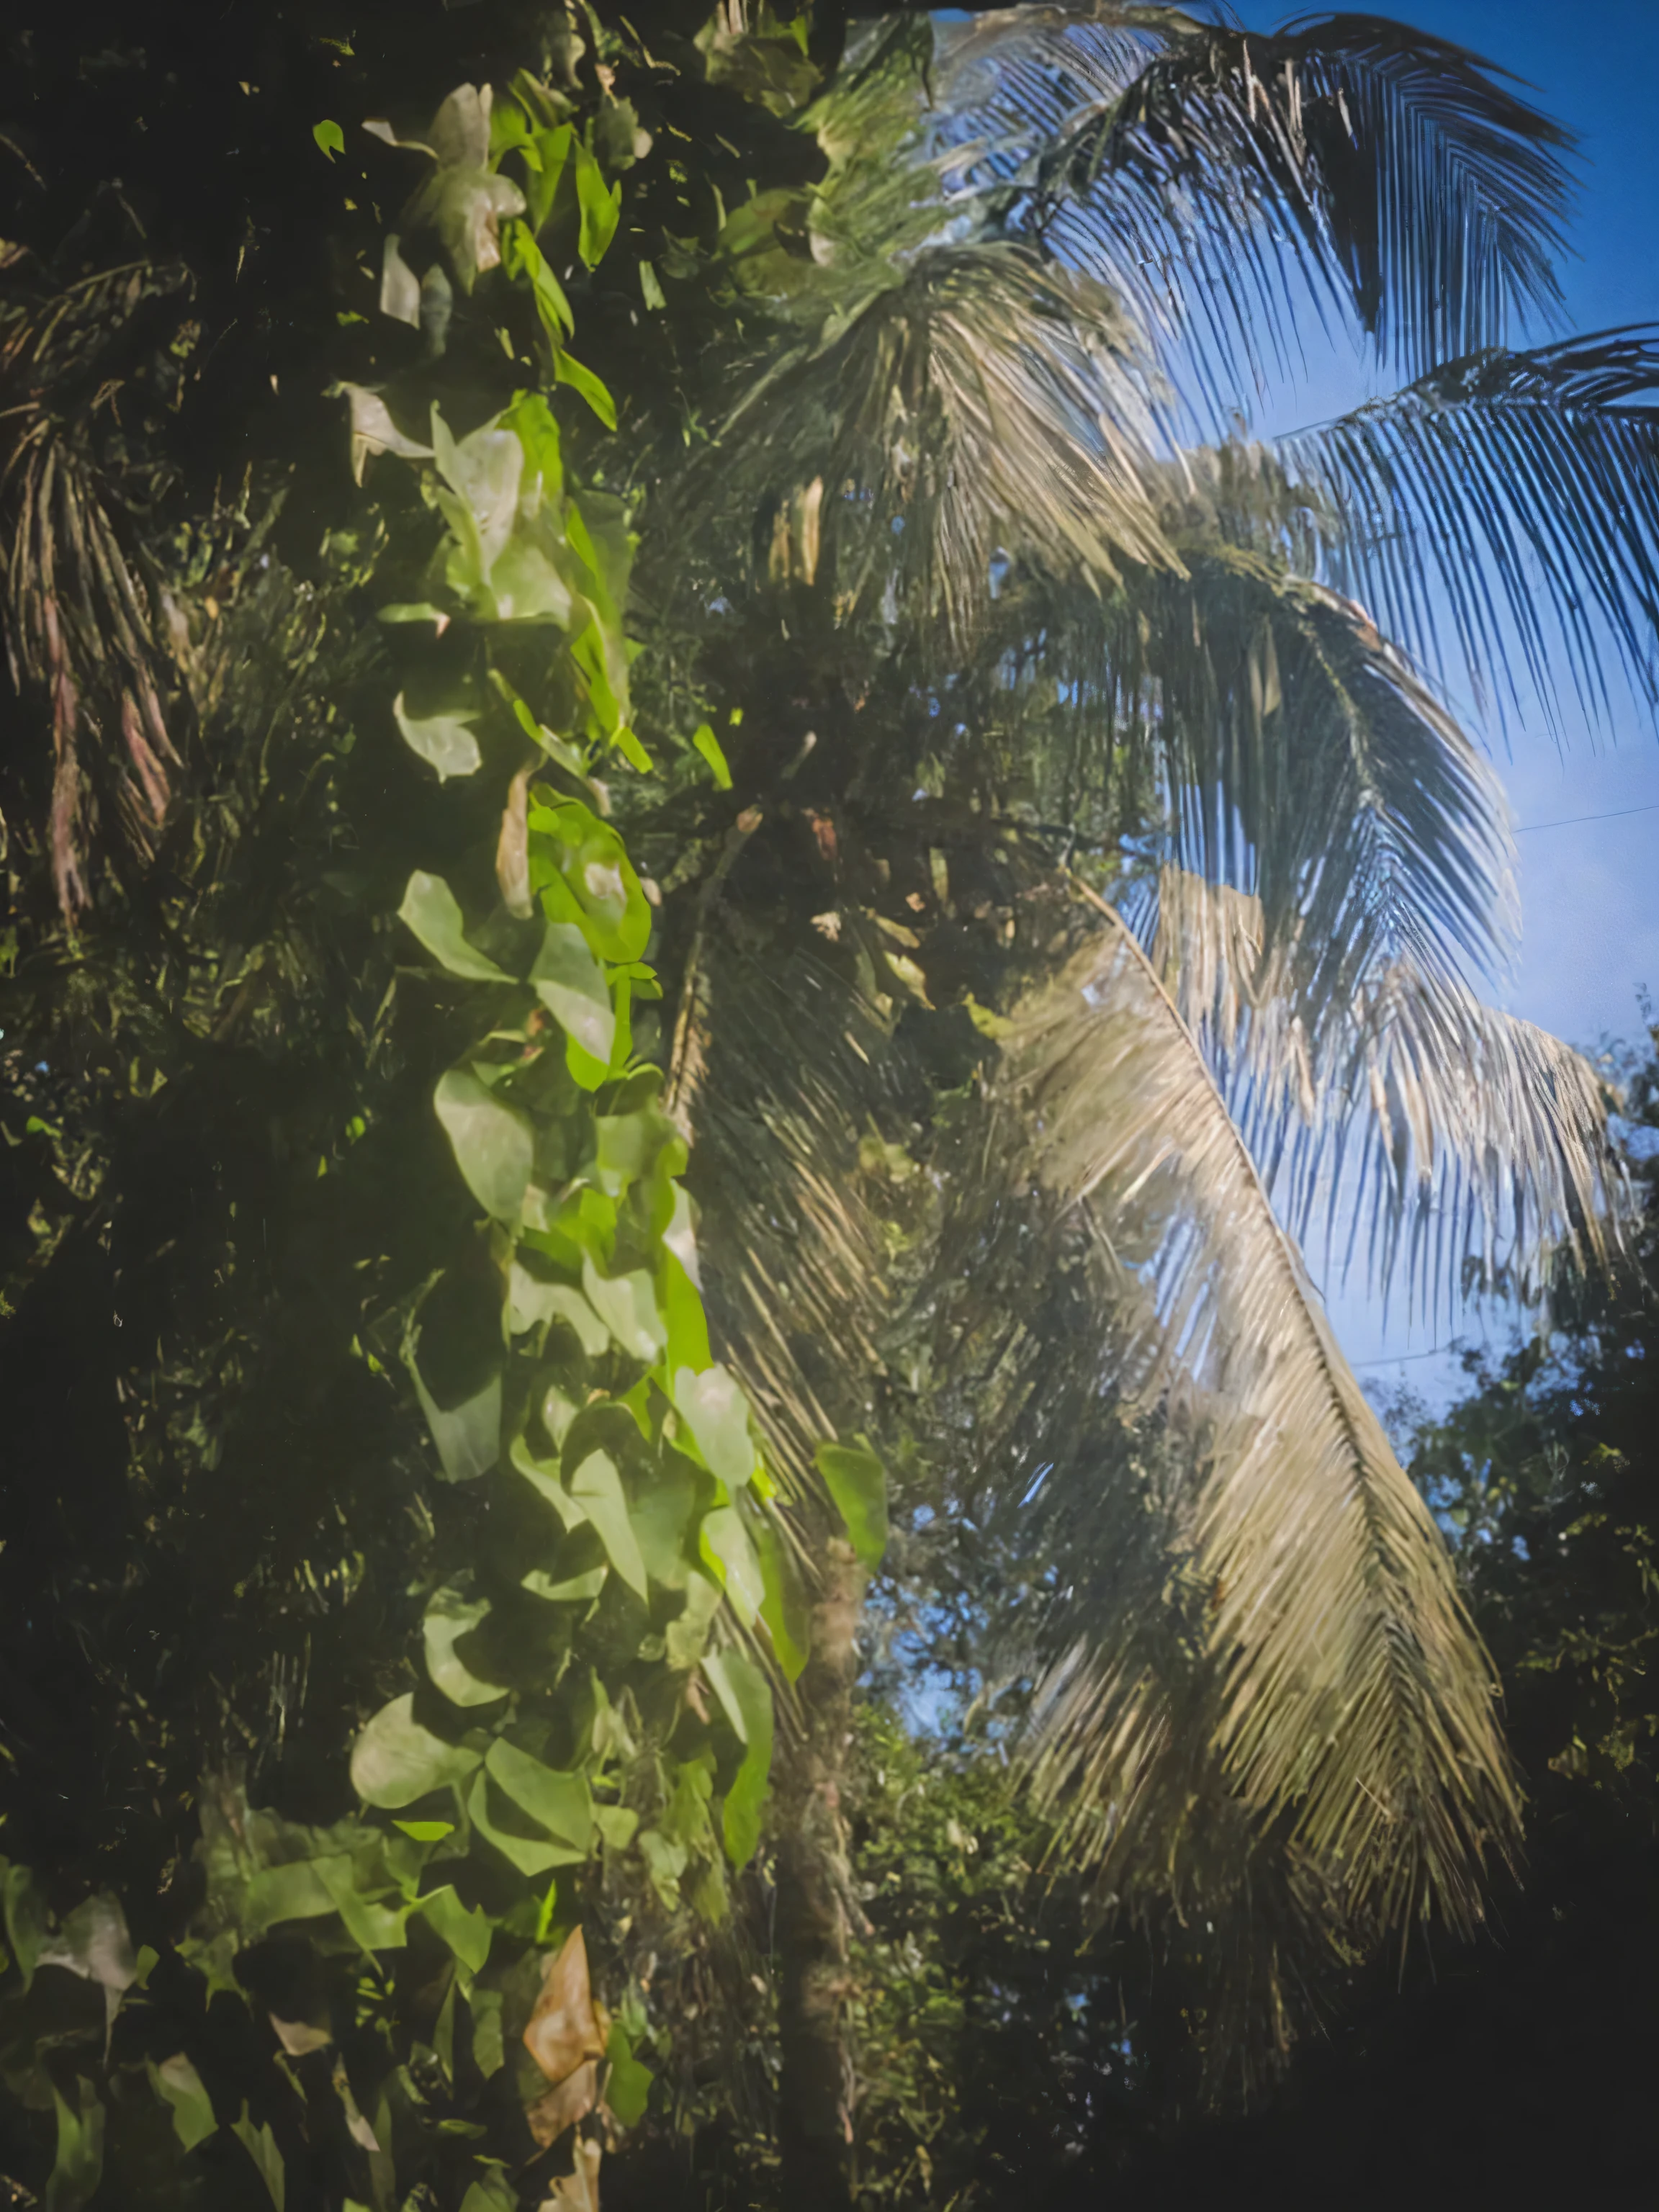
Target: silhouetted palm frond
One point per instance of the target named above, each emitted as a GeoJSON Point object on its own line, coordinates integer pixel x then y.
{"type": "Point", "coordinates": [1391, 170]}
{"type": "Point", "coordinates": [1536, 473]}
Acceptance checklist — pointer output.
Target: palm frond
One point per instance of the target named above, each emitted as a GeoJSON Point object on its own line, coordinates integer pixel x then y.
{"type": "Point", "coordinates": [1465, 1145]}
{"type": "Point", "coordinates": [985, 409]}
{"type": "Point", "coordinates": [1345, 1699]}
{"type": "Point", "coordinates": [78, 619]}
{"type": "Point", "coordinates": [795, 1070]}
{"type": "Point", "coordinates": [1301, 760]}
{"type": "Point", "coordinates": [1393, 171]}
{"type": "Point", "coordinates": [1535, 472]}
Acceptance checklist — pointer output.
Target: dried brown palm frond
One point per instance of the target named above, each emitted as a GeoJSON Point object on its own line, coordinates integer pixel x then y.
{"type": "Point", "coordinates": [1344, 1699]}
{"type": "Point", "coordinates": [80, 621]}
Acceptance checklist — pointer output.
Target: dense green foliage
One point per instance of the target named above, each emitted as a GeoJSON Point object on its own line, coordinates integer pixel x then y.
{"type": "Point", "coordinates": [513, 515]}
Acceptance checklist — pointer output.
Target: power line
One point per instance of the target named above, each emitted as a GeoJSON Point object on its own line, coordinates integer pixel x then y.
{"type": "Point", "coordinates": [1399, 1359]}
{"type": "Point", "coordinates": [1567, 820]}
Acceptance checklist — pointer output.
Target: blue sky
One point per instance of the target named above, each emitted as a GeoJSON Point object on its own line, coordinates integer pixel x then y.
{"type": "Point", "coordinates": [1589, 889]}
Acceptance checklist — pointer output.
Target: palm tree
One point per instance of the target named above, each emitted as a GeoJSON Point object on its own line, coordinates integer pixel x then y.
{"type": "Point", "coordinates": [1007, 592]}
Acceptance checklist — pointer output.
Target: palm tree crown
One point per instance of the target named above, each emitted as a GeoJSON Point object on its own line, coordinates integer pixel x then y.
{"type": "Point", "coordinates": [977, 360]}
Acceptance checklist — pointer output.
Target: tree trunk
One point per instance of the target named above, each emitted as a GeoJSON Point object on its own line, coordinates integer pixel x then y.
{"type": "Point", "coordinates": [815, 2120]}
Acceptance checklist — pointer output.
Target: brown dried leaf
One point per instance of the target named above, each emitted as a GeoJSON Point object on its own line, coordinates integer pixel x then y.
{"type": "Point", "coordinates": [561, 2107]}
{"type": "Point", "coordinates": [562, 2030]}
{"type": "Point", "coordinates": [513, 848]}
{"type": "Point", "coordinates": [579, 2191]}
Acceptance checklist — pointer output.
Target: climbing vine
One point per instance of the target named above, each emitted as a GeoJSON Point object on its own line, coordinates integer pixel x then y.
{"type": "Point", "coordinates": [450, 1974]}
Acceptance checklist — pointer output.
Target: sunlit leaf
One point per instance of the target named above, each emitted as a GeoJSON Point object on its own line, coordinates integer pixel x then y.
{"type": "Point", "coordinates": [716, 1411]}
{"type": "Point", "coordinates": [559, 1801]}
{"type": "Point", "coordinates": [726, 1549]}
{"type": "Point", "coordinates": [395, 1761]}
{"type": "Point", "coordinates": [568, 980]}
{"type": "Point", "coordinates": [709, 746]}
{"type": "Point", "coordinates": [628, 1306]}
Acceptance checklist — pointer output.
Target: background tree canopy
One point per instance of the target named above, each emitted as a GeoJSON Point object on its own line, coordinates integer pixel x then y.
{"type": "Point", "coordinates": [703, 878]}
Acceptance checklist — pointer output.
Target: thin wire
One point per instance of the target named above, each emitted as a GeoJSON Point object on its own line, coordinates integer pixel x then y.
{"type": "Point", "coordinates": [1567, 820]}
{"type": "Point", "coordinates": [1399, 1359]}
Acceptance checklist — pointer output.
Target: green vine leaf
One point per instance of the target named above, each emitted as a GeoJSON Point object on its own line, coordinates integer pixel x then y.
{"type": "Point", "coordinates": [628, 2085]}
{"type": "Point", "coordinates": [597, 1488]}
{"type": "Point", "coordinates": [560, 1803]}
{"type": "Point", "coordinates": [260, 2144]}
{"type": "Point", "coordinates": [468, 1436]}
{"type": "Point", "coordinates": [530, 1856]}
{"type": "Point", "coordinates": [783, 1607]}
{"type": "Point", "coordinates": [747, 1701]}
{"type": "Point", "coordinates": [395, 1761]}
{"type": "Point", "coordinates": [430, 911]}
{"type": "Point", "coordinates": [570, 984]}
{"type": "Point", "coordinates": [726, 1548]}
{"type": "Point", "coordinates": [78, 2167]}
{"type": "Point", "coordinates": [628, 1306]}
{"type": "Point", "coordinates": [179, 2087]}
{"type": "Point", "coordinates": [494, 1143]}
{"type": "Point", "coordinates": [583, 380]}
{"type": "Point", "coordinates": [857, 1481]}
{"type": "Point", "coordinates": [714, 1409]}
{"type": "Point", "coordinates": [445, 742]}
{"type": "Point", "coordinates": [600, 204]}
{"type": "Point", "coordinates": [530, 1301]}
{"type": "Point", "coordinates": [466, 1930]}
{"type": "Point", "coordinates": [449, 1617]}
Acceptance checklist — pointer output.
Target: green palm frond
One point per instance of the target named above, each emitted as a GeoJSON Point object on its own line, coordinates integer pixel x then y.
{"type": "Point", "coordinates": [1331, 1673]}
{"type": "Point", "coordinates": [1536, 473]}
{"type": "Point", "coordinates": [1392, 170]}
{"type": "Point", "coordinates": [1465, 1143]}
{"type": "Point", "coordinates": [1301, 760]}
